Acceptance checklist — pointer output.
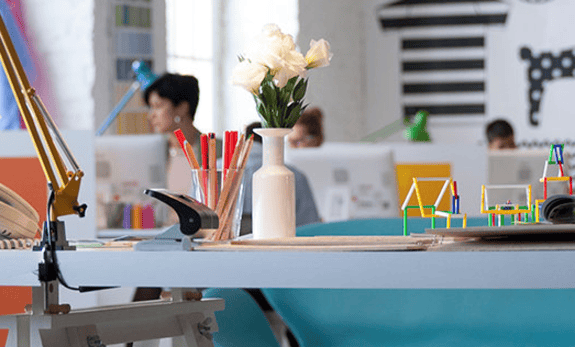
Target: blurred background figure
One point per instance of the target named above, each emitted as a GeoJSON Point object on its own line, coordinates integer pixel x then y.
{"type": "Point", "coordinates": [308, 131]}
{"type": "Point", "coordinates": [500, 135]}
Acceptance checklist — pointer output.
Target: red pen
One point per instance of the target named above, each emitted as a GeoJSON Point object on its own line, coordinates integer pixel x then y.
{"type": "Point", "coordinates": [213, 178]}
{"type": "Point", "coordinates": [204, 178]}
{"type": "Point", "coordinates": [204, 145]}
{"type": "Point", "coordinates": [234, 140]}
{"type": "Point", "coordinates": [227, 139]}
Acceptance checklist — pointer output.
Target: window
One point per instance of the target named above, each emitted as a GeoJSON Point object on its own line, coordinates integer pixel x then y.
{"type": "Point", "coordinates": [192, 38]}
{"type": "Point", "coordinates": [189, 31]}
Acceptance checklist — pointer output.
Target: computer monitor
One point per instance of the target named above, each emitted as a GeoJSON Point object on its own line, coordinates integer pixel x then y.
{"type": "Point", "coordinates": [126, 165]}
{"type": "Point", "coordinates": [521, 167]}
{"type": "Point", "coordinates": [349, 180]}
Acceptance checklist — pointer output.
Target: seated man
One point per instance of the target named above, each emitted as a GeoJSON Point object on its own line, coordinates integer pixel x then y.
{"type": "Point", "coordinates": [500, 135]}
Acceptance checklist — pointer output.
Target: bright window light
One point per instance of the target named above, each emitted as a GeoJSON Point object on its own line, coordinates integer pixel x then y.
{"type": "Point", "coordinates": [189, 41]}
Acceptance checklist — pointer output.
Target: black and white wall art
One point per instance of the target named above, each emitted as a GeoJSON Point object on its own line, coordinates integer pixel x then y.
{"type": "Point", "coordinates": [470, 61]}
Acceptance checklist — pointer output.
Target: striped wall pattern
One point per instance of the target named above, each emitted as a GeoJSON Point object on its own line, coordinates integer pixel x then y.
{"type": "Point", "coordinates": [442, 53]}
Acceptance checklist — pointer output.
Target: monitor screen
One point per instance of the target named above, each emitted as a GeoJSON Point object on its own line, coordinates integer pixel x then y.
{"type": "Point", "coordinates": [349, 180]}
{"type": "Point", "coordinates": [521, 167]}
{"type": "Point", "coordinates": [126, 165]}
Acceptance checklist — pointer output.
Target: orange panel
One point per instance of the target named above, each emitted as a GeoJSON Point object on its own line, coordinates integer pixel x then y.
{"type": "Point", "coordinates": [429, 190]}
{"type": "Point", "coordinates": [25, 177]}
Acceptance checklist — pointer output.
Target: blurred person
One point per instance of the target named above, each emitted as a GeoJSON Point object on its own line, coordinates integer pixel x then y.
{"type": "Point", "coordinates": [173, 100]}
{"type": "Point", "coordinates": [308, 130]}
{"type": "Point", "coordinates": [500, 135]}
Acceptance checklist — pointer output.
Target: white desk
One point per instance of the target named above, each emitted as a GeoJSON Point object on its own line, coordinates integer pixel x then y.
{"type": "Point", "coordinates": [521, 269]}
{"type": "Point", "coordinates": [483, 270]}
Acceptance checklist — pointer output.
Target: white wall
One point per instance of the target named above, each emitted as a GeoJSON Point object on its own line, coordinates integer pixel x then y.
{"type": "Point", "coordinates": [240, 22]}
{"type": "Point", "coordinates": [73, 41]}
{"type": "Point", "coordinates": [543, 28]}
{"type": "Point", "coordinates": [340, 88]}
{"type": "Point", "coordinates": [62, 32]}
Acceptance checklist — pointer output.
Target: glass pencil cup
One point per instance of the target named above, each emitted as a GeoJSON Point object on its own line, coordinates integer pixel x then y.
{"type": "Point", "coordinates": [223, 192]}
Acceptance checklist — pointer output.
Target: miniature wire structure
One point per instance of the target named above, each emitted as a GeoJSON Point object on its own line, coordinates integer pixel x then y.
{"type": "Point", "coordinates": [454, 213]}
{"type": "Point", "coordinates": [513, 210]}
{"type": "Point", "coordinates": [555, 158]}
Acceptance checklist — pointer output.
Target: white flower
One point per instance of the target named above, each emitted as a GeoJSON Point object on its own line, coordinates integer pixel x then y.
{"type": "Point", "coordinates": [270, 47]}
{"type": "Point", "coordinates": [277, 51]}
{"type": "Point", "coordinates": [292, 65]}
{"type": "Point", "coordinates": [275, 55]}
{"type": "Point", "coordinates": [318, 54]}
{"type": "Point", "coordinates": [249, 75]}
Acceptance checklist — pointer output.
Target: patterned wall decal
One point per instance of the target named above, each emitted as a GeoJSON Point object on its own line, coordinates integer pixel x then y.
{"type": "Point", "coordinates": [442, 52]}
{"type": "Point", "coordinates": [543, 68]}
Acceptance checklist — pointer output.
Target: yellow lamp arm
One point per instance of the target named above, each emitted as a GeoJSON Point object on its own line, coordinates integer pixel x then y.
{"type": "Point", "coordinates": [38, 121]}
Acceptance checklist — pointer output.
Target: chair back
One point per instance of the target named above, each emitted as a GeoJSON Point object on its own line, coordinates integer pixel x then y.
{"type": "Point", "coordinates": [242, 323]}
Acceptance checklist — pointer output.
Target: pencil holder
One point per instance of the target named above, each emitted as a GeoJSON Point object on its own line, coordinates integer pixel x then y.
{"type": "Point", "coordinates": [222, 191]}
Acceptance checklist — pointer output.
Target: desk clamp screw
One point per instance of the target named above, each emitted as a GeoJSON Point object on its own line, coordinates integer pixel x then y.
{"type": "Point", "coordinates": [94, 341]}
{"type": "Point", "coordinates": [205, 328]}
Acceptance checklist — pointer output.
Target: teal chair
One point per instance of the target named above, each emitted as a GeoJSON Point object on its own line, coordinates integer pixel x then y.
{"type": "Point", "coordinates": [351, 317]}
{"type": "Point", "coordinates": [242, 323]}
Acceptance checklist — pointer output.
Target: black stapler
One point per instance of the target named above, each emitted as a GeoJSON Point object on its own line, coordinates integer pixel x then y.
{"type": "Point", "coordinates": [194, 218]}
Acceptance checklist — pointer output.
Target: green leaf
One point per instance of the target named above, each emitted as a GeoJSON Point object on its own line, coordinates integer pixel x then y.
{"type": "Point", "coordinates": [277, 118]}
{"type": "Point", "coordinates": [286, 92]}
{"type": "Point", "coordinates": [288, 88]}
{"type": "Point", "coordinates": [269, 77]}
{"type": "Point", "coordinates": [258, 101]}
{"type": "Point", "coordinates": [262, 111]}
{"type": "Point", "coordinates": [294, 114]}
{"type": "Point", "coordinates": [269, 95]}
{"type": "Point", "coordinates": [264, 122]}
{"type": "Point", "coordinates": [299, 90]}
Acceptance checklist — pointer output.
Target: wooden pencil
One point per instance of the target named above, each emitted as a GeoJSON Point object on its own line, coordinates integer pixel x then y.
{"type": "Point", "coordinates": [213, 172]}
{"type": "Point", "coordinates": [224, 232]}
{"type": "Point", "coordinates": [228, 182]}
{"type": "Point", "coordinates": [226, 196]}
{"type": "Point", "coordinates": [193, 160]}
{"type": "Point", "coordinates": [187, 148]}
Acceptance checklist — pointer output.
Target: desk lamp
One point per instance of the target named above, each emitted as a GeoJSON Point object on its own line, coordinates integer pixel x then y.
{"type": "Point", "coordinates": [63, 177]}
{"type": "Point", "coordinates": [415, 131]}
{"type": "Point", "coordinates": [144, 77]}
{"type": "Point", "coordinates": [49, 321]}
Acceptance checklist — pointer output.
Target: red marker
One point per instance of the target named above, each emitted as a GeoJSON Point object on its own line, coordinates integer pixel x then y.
{"type": "Point", "coordinates": [204, 144]}
{"type": "Point", "coordinates": [204, 147]}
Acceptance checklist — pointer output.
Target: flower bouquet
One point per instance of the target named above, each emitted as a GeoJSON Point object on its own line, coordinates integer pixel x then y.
{"type": "Point", "coordinates": [274, 71]}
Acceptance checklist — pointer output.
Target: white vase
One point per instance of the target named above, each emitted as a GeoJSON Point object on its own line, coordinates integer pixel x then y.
{"type": "Point", "coordinates": [273, 199]}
